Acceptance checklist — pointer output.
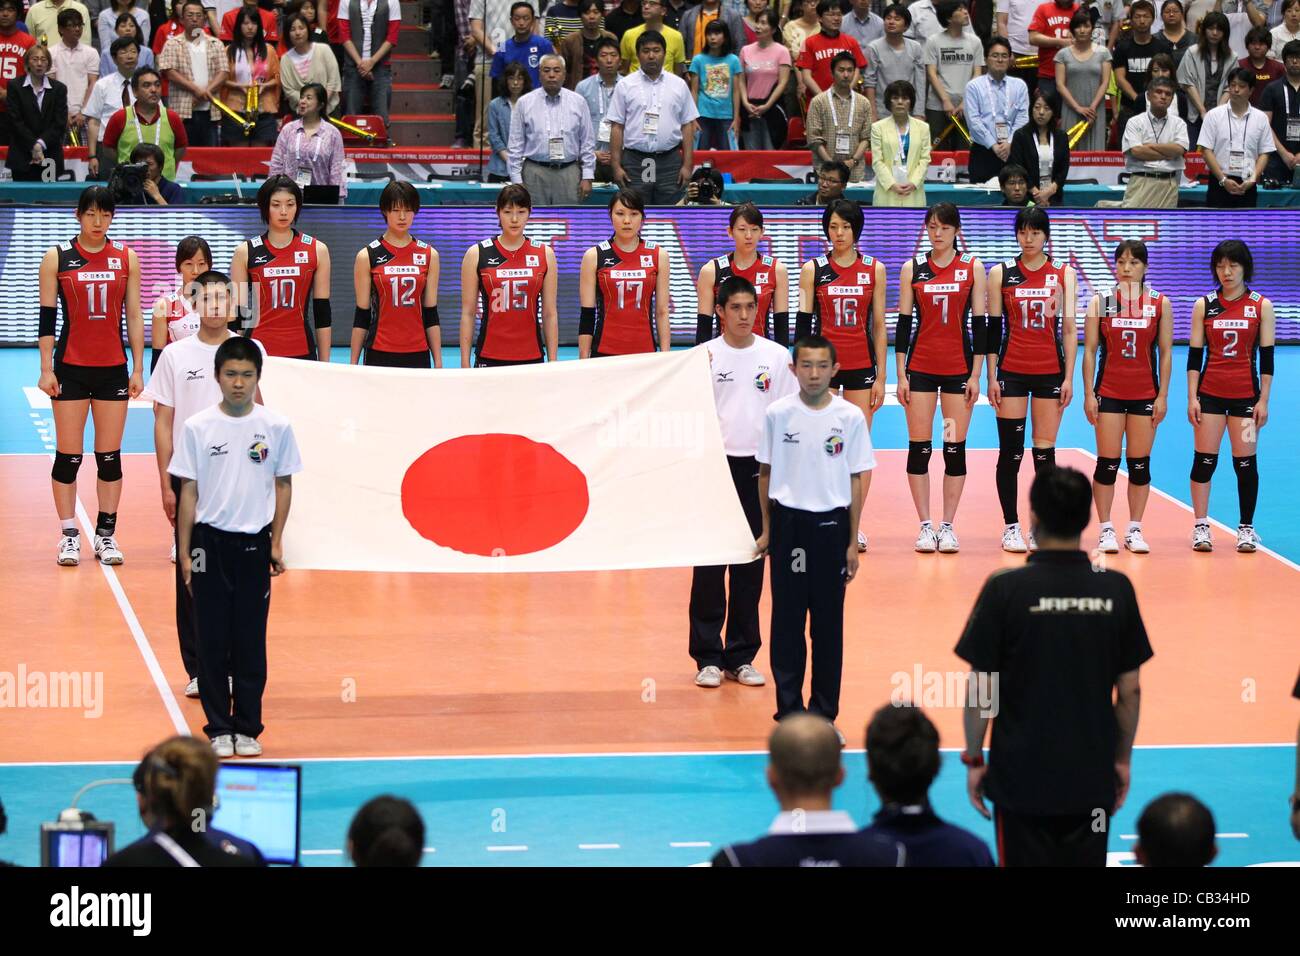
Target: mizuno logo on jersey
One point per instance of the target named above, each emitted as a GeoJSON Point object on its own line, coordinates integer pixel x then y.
{"type": "Point", "coordinates": [1013, 279]}
{"type": "Point", "coordinates": [494, 261]}
{"type": "Point", "coordinates": [261, 259]}
{"type": "Point", "coordinates": [215, 450]}
{"type": "Point", "coordinates": [193, 374]}
{"type": "Point", "coordinates": [724, 377]}
{"type": "Point", "coordinates": [791, 438]}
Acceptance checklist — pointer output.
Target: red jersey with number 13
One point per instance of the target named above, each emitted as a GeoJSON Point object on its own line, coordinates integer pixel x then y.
{"type": "Point", "coordinates": [1231, 337]}
{"type": "Point", "coordinates": [625, 298]}
{"type": "Point", "coordinates": [941, 340]}
{"type": "Point", "coordinates": [283, 281]}
{"type": "Point", "coordinates": [398, 277]}
{"type": "Point", "coordinates": [1032, 302]}
{"type": "Point", "coordinates": [510, 293]}
{"type": "Point", "coordinates": [842, 299]}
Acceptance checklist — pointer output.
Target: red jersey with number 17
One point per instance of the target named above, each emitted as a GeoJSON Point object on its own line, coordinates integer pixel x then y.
{"type": "Point", "coordinates": [1130, 330]}
{"type": "Point", "coordinates": [625, 298]}
{"type": "Point", "coordinates": [842, 299]}
{"type": "Point", "coordinates": [1032, 303]}
{"type": "Point", "coordinates": [941, 340]}
{"type": "Point", "coordinates": [1231, 338]}
{"type": "Point", "coordinates": [510, 293]}
{"type": "Point", "coordinates": [398, 277]}
{"type": "Point", "coordinates": [92, 291]}
{"type": "Point", "coordinates": [282, 279]}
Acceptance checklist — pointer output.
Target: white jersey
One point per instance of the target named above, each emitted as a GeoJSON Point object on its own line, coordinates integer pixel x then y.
{"type": "Point", "coordinates": [745, 382]}
{"type": "Point", "coordinates": [185, 380]}
{"type": "Point", "coordinates": [814, 452]}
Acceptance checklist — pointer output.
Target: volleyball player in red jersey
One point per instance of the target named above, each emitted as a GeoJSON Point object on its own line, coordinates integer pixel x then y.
{"type": "Point", "coordinates": [842, 298]}
{"type": "Point", "coordinates": [766, 274]}
{"type": "Point", "coordinates": [96, 281]}
{"type": "Point", "coordinates": [174, 316]}
{"type": "Point", "coordinates": [1229, 326]}
{"type": "Point", "coordinates": [1032, 342]}
{"type": "Point", "coordinates": [513, 280]}
{"type": "Point", "coordinates": [277, 273]}
{"type": "Point", "coordinates": [1129, 396]}
{"type": "Point", "coordinates": [623, 288]}
{"type": "Point", "coordinates": [940, 329]}
{"type": "Point", "coordinates": [395, 278]}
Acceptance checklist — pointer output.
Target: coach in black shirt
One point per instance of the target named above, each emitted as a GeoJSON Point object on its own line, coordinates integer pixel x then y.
{"type": "Point", "coordinates": [1058, 636]}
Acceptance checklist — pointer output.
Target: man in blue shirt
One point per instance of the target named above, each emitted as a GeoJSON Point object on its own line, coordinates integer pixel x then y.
{"type": "Point", "coordinates": [902, 762]}
{"type": "Point", "coordinates": [525, 47]}
{"type": "Point", "coordinates": [996, 105]}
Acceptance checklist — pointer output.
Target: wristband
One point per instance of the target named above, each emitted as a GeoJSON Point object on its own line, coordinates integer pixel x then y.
{"type": "Point", "coordinates": [973, 762]}
{"type": "Point", "coordinates": [429, 314]}
{"type": "Point", "coordinates": [361, 318]}
{"type": "Point", "coordinates": [321, 314]}
{"type": "Point", "coordinates": [1195, 358]}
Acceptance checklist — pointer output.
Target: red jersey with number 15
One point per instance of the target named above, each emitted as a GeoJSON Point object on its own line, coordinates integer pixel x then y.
{"type": "Point", "coordinates": [625, 298]}
{"type": "Point", "coordinates": [1130, 330]}
{"type": "Point", "coordinates": [941, 339]}
{"type": "Point", "coordinates": [842, 299]}
{"type": "Point", "coordinates": [92, 291]}
{"type": "Point", "coordinates": [510, 293]}
{"type": "Point", "coordinates": [1231, 338]}
{"type": "Point", "coordinates": [283, 281]}
{"type": "Point", "coordinates": [1032, 302]}
{"type": "Point", "coordinates": [761, 274]}
{"type": "Point", "coordinates": [398, 277]}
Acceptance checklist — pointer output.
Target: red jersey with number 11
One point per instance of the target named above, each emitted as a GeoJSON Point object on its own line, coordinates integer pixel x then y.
{"type": "Point", "coordinates": [92, 291]}
{"type": "Point", "coordinates": [625, 298]}
{"type": "Point", "coordinates": [282, 280]}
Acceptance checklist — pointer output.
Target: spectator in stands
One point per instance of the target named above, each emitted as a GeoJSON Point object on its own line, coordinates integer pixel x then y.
{"type": "Point", "coordinates": [894, 57]}
{"type": "Point", "coordinates": [308, 62]}
{"type": "Point", "coordinates": [902, 762]}
{"type": "Point", "coordinates": [158, 190]}
{"type": "Point", "coordinates": [863, 24]}
{"type": "Point", "coordinates": [822, 50]}
{"type": "Point", "coordinates": [674, 10]}
{"type": "Point", "coordinates": [798, 29]}
{"type": "Point", "coordinates": [43, 17]}
{"type": "Point", "coordinates": [832, 177]}
{"type": "Point", "coordinates": [900, 150]}
{"type": "Point", "coordinates": [252, 85]}
{"type": "Point", "coordinates": [1281, 104]}
{"type": "Point", "coordinates": [704, 189]}
{"type": "Point", "coordinates": [1248, 13]}
{"type": "Point", "coordinates": [110, 94]}
{"type": "Point", "coordinates": [952, 59]}
{"type": "Point", "coordinates": [106, 22]}
{"type": "Point", "coordinates": [524, 47]}
{"type": "Point", "coordinates": [675, 55]}
{"type": "Point", "coordinates": [1162, 65]}
{"type": "Point", "coordinates": [166, 129]}
{"type": "Point", "coordinates": [516, 83]}
{"type": "Point", "coordinates": [309, 148]}
{"type": "Point", "coordinates": [369, 34]}
{"type": "Point", "coordinates": [76, 66]}
{"type": "Point", "coordinates": [1235, 141]}
{"type": "Point", "coordinates": [387, 831]}
{"type": "Point", "coordinates": [996, 105]}
{"type": "Point", "coordinates": [489, 23]}
{"type": "Point", "coordinates": [645, 153]}
{"type": "Point", "coordinates": [463, 84]}
{"type": "Point", "coordinates": [1154, 144]}
{"type": "Point", "coordinates": [1266, 69]}
{"type": "Point", "coordinates": [624, 17]}
{"type": "Point", "coordinates": [803, 771]}
{"type": "Point", "coordinates": [712, 76]}
{"type": "Point", "coordinates": [13, 47]}
{"type": "Point", "coordinates": [1288, 29]}
{"type": "Point", "coordinates": [1175, 38]}
{"type": "Point", "coordinates": [839, 121]}
{"type": "Point", "coordinates": [561, 20]}
{"type": "Point", "coordinates": [1042, 149]}
{"type": "Point", "coordinates": [194, 63]}
{"type": "Point", "coordinates": [174, 26]}
{"type": "Point", "coordinates": [126, 26]}
{"type": "Point", "coordinates": [767, 67]}
{"type": "Point", "coordinates": [552, 143]}
{"type": "Point", "coordinates": [1133, 55]}
{"type": "Point", "coordinates": [1203, 74]}
{"type": "Point", "coordinates": [1175, 829]}
{"type": "Point", "coordinates": [315, 31]}
{"type": "Point", "coordinates": [748, 22]}
{"type": "Point", "coordinates": [580, 47]}
{"type": "Point", "coordinates": [598, 91]}
{"type": "Point", "coordinates": [696, 20]}
{"type": "Point", "coordinates": [229, 29]}
{"type": "Point", "coordinates": [1083, 72]}
{"type": "Point", "coordinates": [1049, 31]}
{"type": "Point", "coordinates": [1013, 18]}
{"type": "Point", "coordinates": [1014, 183]}
{"type": "Point", "coordinates": [38, 118]}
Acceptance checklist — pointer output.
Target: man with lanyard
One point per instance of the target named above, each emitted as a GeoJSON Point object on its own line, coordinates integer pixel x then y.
{"type": "Point", "coordinates": [821, 51]}
{"type": "Point", "coordinates": [598, 90]}
{"type": "Point", "coordinates": [149, 123]}
{"type": "Point", "coordinates": [552, 145]}
{"type": "Point", "coordinates": [1281, 104]}
{"type": "Point", "coordinates": [1235, 142]}
{"type": "Point", "coordinates": [1154, 144]}
{"type": "Point", "coordinates": [996, 106]}
{"type": "Point", "coordinates": [839, 121]}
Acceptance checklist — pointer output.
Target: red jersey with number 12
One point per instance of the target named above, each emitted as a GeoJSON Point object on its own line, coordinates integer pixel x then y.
{"type": "Point", "coordinates": [92, 290]}
{"type": "Point", "coordinates": [398, 277]}
{"type": "Point", "coordinates": [1032, 302]}
{"type": "Point", "coordinates": [842, 299]}
{"type": "Point", "coordinates": [625, 298]}
{"type": "Point", "coordinates": [1231, 337]}
{"type": "Point", "coordinates": [1130, 330]}
{"type": "Point", "coordinates": [283, 281]}
{"type": "Point", "coordinates": [510, 292]}
{"type": "Point", "coordinates": [941, 340]}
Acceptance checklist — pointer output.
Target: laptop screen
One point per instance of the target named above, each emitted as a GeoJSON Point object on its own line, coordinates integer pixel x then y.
{"type": "Point", "coordinates": [262, 803]}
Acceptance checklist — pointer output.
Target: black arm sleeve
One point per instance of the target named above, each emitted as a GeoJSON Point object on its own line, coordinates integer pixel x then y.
{"type": "Point", "coordinates": [1195, 358]}
{"type": "Point", "coordinates": [587, 320]}
{"type": "Point", "coordinates": [993, 332]}
{"type": "Point", "coordinates": [979, 333]}
{"type": "Point", "coordinates": [430, 316]}
{"type": "Point", "coordinates": [45, 325]}
{"type": "Point", "coordinates": [1266, 360]}
{"type": "Point", "coordinates": [903, 332]}
{"type": "Point", "coordinates": [703, 328]}
{"type": "Point", "coordinates": [154, 356]}
{"type": "Point", "coordinates": [803, 323]}
{"type": "Point", "coordinates": [361, 318]}
{"type": "Point", "coordinates": [320, 312]}
{"type": "Point", "coordinates": [781, 328]}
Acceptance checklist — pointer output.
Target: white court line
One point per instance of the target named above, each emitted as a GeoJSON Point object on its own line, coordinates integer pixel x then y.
{"type": "Point", "coordinates": [599, 846]}
{"type": "Point", "coordinates": [511, 848]}
{"type": "Point", "coordinates": [320, 852]}
{"type": "Point", "coordinates": [1217, 836]}
{"type": "Point", "coordinates": [690, 844]}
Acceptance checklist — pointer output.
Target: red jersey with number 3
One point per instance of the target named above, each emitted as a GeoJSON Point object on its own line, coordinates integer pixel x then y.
{"type": "Point", "coordinates": [625, 298]}
{"type": "Point", "coordinates": [510, 293]}
{"type": "Point", "coordinates": [842, 297]}
{"type": "Point", "coordinates": [92, 291]}
{"type": "Point", "coordinates": [1032, 302]}
{"type": "Point", "coordinates": [1231, 338]}
{"type": "Point", "coordinates": [282, 280]}
{"type": "Point", "coordinates": [1127, 369]}
{"type": "Point", "coordinates": [941, 340]}
{"type": "Point", "coordinates": [761, 274]}
{"type": "Point", "coordinates": [398, 278]}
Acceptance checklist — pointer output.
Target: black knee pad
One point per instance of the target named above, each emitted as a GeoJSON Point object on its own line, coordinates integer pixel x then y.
{"type": "Point", "coordinates": [1044, 459]}
{"type": "Point", "coordinates": [1203, 465]}
{"type": "Point", "coordinates": [108, 464]}
{"type": "Point", "coordinates": [1139, 470]}
{"type": "Point", "coordinates": [1011, 443]}
{"type": "Point", "coordinates": [1247, 465]}
{"type": "Point", "coordinates": [65, 468]}
{"type": "Point", "coordinates": [1107, 470]}
{"type": "Point", "coordinates": [918, 457]}
{"type": "Point", "coordinates": [954, 458]}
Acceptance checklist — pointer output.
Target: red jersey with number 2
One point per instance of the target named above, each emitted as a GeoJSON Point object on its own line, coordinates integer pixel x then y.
{"type": "Point", "coordinates": [283, 281]}
{"type": "Point", "coordinates": [625, 298]}
{"type": "Point", "coordinates": [92, 291]}
{"type": "Point", "coordinates": [1231, 338]}
{"type": "Point", "coordinates": [1130, 330]}
{"type": "Point", "coordinates": [1032, 303]}
{"type": "Point", "coordinates": [510, 292]}
{"type": "Point", "coordinates": [941, 340]}
{"type": "Point", "coordinates": [398, 277]}
{"type": "Point", "coordinates": [842, 299]}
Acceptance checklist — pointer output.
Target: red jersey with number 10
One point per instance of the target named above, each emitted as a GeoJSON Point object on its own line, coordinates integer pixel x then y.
{"type": "Point", "coordinates": [92, 291]}
{"type": "Point", "coordinates": [761, 274]}
{"type": "Point", "coordinates": [283, 281]}
{"type": "Point", "coordinates": [1231, 337]}
{"type": "Point", "coordinates": [398, 277]}
{"type": "Point", "coordinates": [1130, 332]}
{"type": "Point", "coordinates": [510, 292]}
{"type": "Point", "coordinates": [625, 298]}
{"type": "Point", "coordinates": [842, 299]}
{"type": "Point", "coordinates": [941, 339]}
{"type": "Point", "coordinates": [1032, 302]}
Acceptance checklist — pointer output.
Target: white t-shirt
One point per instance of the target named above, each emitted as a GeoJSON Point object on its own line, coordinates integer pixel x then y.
{"type": "Point", "coordinates": [1281, 37]}
{"type": "Point", "coordinates": [814, 453]}
{"type": "Point", "coordinates": [199, 59]}
{"type": "Point", "coordinates": [745, 382]}
{"type": "Point", "coordinates": [1019, 13]}
{"type": "Point", "coordinates": [235, 462]}
{"type": "Point", "coordinates": [1240, 24]}
{"type": "Point", "coordinates": [1237, 141]}
{"type": "Point", "coordinates": [185, 381]}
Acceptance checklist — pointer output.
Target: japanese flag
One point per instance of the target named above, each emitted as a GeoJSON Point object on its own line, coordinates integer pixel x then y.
{"type": "Point", "coordinates": [571, 466]}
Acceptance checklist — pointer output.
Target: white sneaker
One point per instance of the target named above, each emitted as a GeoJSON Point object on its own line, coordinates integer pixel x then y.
{"type": "Point", "coordinates": [948, 540]}
{"type": "Point", "coordinates": [247, 746]}
{"type": "Point", "coordinates": [70, 550]}
{"type": "Point", "coordinates": [862, 542]}
{"type": "Point", "coordinates": [107, 551]}
{"type": "Point", "coordinates": [1247, 539]}
{"type": "Point", "coordinates": [1134, 541]}
{"type": "Point", "coordinates": [709, 677]}
{"type": "Point", "coordinates": [192, 688]}
{"type": "Point", "coordinates": [748, 675]}
{"type": "Point", "coordinates": [1012, 541]}
{"type": "Point", "coordinates": [1201, 540]}
{"type": "Point", "coordinates": [173, 553]}
{"type": "Point", "coordinates": [1030, 540]}
{"type": "Point", "coordinates": [223, 746]}
{"type": "Point", "coordinates": [1107, 542]}
{"type": "Point", "coordinates": [927, 542]}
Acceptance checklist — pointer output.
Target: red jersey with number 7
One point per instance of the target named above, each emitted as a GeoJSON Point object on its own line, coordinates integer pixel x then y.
{"type": "Point", "coordinates": [92, 291]}
{"type": "Point", "coordinates": [625, 298]}
{"type": "Point", "coordinates": [1032, 302]}
{"type": "Point", "coordinates": [510, 294]}
{"type": "Point", "coordinates": [941, 339]}
{"type": "Point", "coordinates": [842, 298]}
{"type": "Point", "coordinates": [398, 278]}
{"type": "Point", "coordinates": [1130, 330]}
{"type": "Point", "coordinates": [282, 282]}
{"type": "Point", "coordinates": [1231, 338]}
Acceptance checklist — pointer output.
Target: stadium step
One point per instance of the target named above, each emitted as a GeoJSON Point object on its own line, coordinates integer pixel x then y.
{"type": "Point", "coordinates": [416, 68]}
{"type": "Point", "coordinates": [412, 13]}
{"type": "Point", "coordinates": [422, 129]}
{"type": "Point", "coordinates": [413, 39]}
{"type": "Point", "coordinates": [421, 98]}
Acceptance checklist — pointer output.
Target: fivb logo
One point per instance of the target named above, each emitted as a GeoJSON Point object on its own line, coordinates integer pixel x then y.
{"type": "Point", "coordinates": [75, 909]}
{"type": "Point", "coordinates": [934, 689]}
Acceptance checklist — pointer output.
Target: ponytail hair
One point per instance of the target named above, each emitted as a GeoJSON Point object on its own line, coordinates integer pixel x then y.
{"type": "Point", "coordinates": [180, 779]}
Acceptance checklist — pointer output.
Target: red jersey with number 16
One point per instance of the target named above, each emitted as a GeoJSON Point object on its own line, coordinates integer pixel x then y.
{"type": "Point", "coordinates": [941, 340]}
{"type": "Point", "coordinates": [92, 291]}
{"type": "Point", "coordinates": [398, 277]}
{"type": "Point", "coordinates": [1032, 302]}
{"type": "Point", "coordinates": [625, 298]}
{"type": "Point", "coordinates": [510, 293]}
{"type": "Point", "coordinates": [842, 298]}
{"type": "Point", "coordinates": [1231, 338]}
{"type": "Point", "coordinates": [282, 279]}
{"type": "Point", "coordinates": [1130, 330]}
{"type": "Point", "coordinates": [761, 274]}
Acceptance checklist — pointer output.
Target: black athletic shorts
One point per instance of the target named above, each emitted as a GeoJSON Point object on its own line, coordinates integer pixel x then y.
{"type": "Point", "coordinates": [1031, 840]}
{"type": "Point", "coordinates": [398, 359]}
{"type": "Point", "coordinates": [1232, 407]}
{"type": "Point", "coordinates": [103, 383]}
{"type": "Point", "coordinates": [481, 362]}
{"type": "Point", "coordinates": [1022, 386]}
{"type": "Point", "coordinates": [854, 378]}
{"type": "Point", "coordinates": [1121, 406]}
{"type": "Point", "coordinates": [947, 384]}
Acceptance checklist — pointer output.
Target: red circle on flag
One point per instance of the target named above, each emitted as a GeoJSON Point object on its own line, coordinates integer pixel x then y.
{"type": "Point", "coordinates": [494, 495]}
